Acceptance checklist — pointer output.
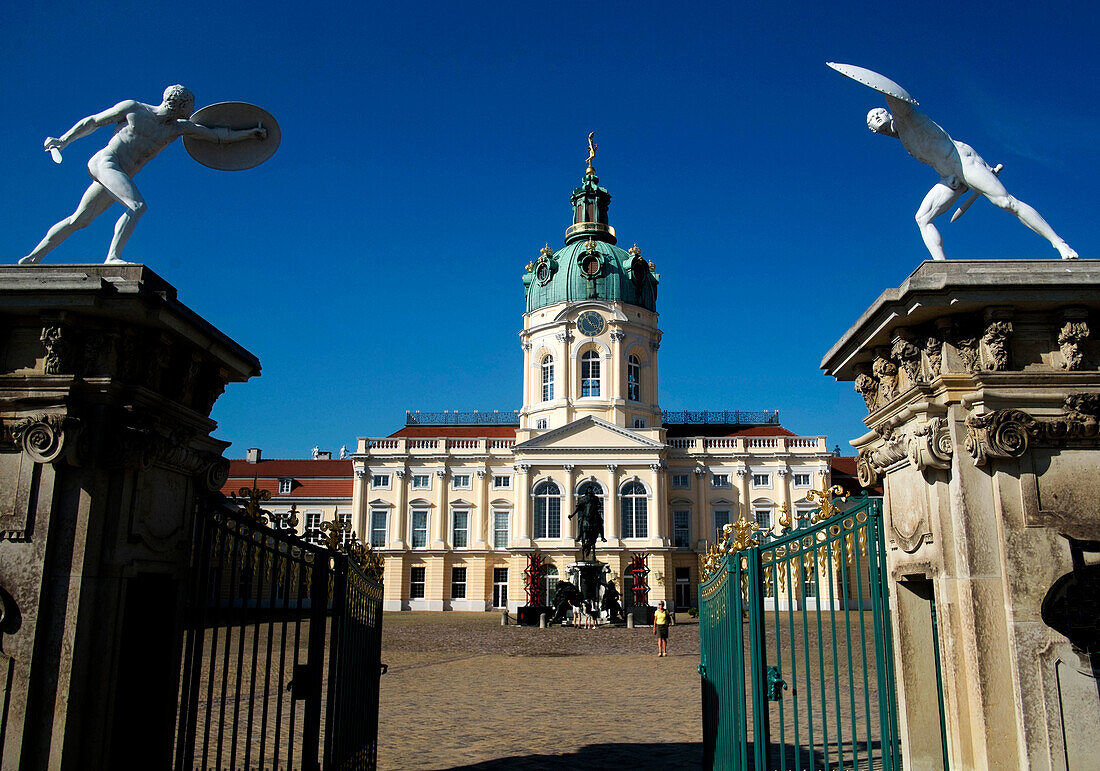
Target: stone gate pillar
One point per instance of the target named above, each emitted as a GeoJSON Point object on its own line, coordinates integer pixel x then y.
{"type": "Point", "coordinates": [982, 385]}
{"type": "Point", "coordinates": [106, 386]}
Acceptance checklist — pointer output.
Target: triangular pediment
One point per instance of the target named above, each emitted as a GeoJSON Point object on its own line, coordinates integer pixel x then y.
{"type": "Point", "coordinates": [588, 433]}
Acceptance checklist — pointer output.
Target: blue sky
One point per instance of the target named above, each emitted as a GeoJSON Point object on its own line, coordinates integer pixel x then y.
{"type": "Point", "coordinates": [374, 263]}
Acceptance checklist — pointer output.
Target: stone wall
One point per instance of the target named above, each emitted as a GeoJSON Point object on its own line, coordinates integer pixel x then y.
{"type": "Point", "coordinates": [982, 384]}
{"type": "Point", "coordinates": [106, 387]}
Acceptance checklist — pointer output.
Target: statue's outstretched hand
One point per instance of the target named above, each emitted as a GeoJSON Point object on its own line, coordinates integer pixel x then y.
{"type": "Point", "coordinates": [53, 143]}
{"type": "Point", "coordinates": [259, 132]}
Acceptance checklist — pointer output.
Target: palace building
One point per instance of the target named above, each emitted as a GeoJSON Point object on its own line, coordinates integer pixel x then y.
{"type": "Point", "coordinates": [456, 502]}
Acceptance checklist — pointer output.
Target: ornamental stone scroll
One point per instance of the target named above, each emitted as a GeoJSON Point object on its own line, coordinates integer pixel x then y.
{"type": "Point", "coordinates": [925, 444]}
{"type": "Point", "coordinates": [1010, 433]}
{"type": "Point", "coordinates": [43, 437]}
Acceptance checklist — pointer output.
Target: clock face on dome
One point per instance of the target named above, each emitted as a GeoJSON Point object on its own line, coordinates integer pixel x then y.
{"type": "Point", "coordinates": [590, 323]}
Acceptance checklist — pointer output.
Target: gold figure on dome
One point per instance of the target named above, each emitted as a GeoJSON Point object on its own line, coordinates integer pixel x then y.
{"type": "Point", "coordinates": [591, 153]}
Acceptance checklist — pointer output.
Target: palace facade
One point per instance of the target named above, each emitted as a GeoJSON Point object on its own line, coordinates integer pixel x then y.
{"type": "Point", "coordinates": [456, 502]}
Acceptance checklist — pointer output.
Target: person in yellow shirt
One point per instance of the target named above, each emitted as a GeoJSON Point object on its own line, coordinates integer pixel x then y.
{"type": "Point", "coordinates": [661, 622]}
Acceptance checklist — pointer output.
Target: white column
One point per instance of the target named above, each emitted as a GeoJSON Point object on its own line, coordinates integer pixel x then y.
{"type": "Point", "coordinates": [744, 476]}
{"type": "Point", "coordinates": [359, 495]}
{"type": "Point", "coordinates": [439, 522]}
{"type": "Point", "coordinates": [703, 520]}
{"type": "Point", "coordinates": [399, 526]}
{"type": "Point", "coordinates": [569, 527]}
{"type": "Point", "coordinates": [611, 505]}
{"type": "Point", "coordinates": [522, 536]}
{"type": "Point", "coordinates": [660, 515]}
{"type": "Point", "coordinates": [479, 528]}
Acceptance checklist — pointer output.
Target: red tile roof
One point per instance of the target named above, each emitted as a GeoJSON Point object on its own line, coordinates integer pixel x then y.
{"type": "Point", "coordinates": [475, 432]}
{"type": "Point", "coordinates": [763, 431]}
{"type": "Point", "coordinates": [312, 478]}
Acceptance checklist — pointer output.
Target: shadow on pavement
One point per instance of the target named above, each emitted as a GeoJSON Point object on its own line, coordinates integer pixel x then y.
{"type": "Point", "coordinates": [634, 756]}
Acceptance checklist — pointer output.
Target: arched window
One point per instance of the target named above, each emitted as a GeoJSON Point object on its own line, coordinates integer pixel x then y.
{"type": "Point", "coordinates": [548, 378]}
{"type": "Point", "coordinates": [634, 511]}
{"type": "Point", "coordinates": [590, 373]}
{"type": "Point", "coordinates": [547, 510]}
{"type": "Point", "coordinates": [633, 378]}
{"type": "Point", "coordinates": [551, 582]}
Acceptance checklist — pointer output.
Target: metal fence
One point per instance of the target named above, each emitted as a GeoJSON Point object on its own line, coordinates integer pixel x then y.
{"type": "Point", "coordinates": [282, 646]}
{"type": "Point", "coordinates": [796, 659]}
{"type": "Point", "coordinates": [456, 418]}
{"type": "Point", "coordinates": [721, 417]}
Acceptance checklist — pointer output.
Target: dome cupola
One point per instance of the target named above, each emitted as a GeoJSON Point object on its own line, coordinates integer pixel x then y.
{"type": "Point", "coordinates": [590, 266]}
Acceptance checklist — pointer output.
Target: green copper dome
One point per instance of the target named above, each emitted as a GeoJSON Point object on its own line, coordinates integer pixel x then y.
{"type": "Point", "coordinates": [590, 266]}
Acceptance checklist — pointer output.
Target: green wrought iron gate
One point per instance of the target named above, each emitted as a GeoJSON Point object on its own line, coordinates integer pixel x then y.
{"type": "Point", "coordinates": [796, 659]}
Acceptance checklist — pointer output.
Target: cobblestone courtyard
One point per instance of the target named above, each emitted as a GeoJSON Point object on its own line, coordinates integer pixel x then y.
{"type": "Point", "coordinates": [464, 692]}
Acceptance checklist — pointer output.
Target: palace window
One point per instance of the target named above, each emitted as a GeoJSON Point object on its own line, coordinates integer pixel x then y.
{"type": "Point", "coordinates": [378, 528]}
{"type": "Point", "coordinates": [313, 527]}
{"type": "Point", "coordinates": [761, 480]}
{"type": "Point", "coordinates": [416, 583]}
{"type": "Point", "coordinates": [721, 519]}
{"type": "Point", "coordinates": [720, 480]}
{"type": "Point", "coordinates": [344, 520]}
{"type": "Point", "coordinates": [590, 373]}
{"type": "Point", "coordinates": [640, 422]}
{"type": "Point", "coordinates": [502, 482]}
{"type": "Point", "coordinates": [460, 481]}
{"type": "Point", "coordinates": [500, 528]}
{"type": "Point", "coordinates": [763, 517]}
{"type": "Point", "coordinates": [681, 481]}
{"type": "Point", "coordinates": [380, 482]}
{"type": "Point", "coordinates": [460, 528]}
{"type": "Point", "coordinates": [547, 510]}
{"type": "Point", "coordinates": [633, 379]}
{"type": "Point", "coordinates": [458, 583]}
{"type": "Point", "coordinates": [635, 520]}
{"type": "Point", "coordinates": [419, 528]}
{"type": "Point", "coordinates": [681, 529]}
{"type": "Point", "coordinates": [285, 485]}
{"type": "Point", "coordinates": [801, 480]}
{"type": "Point", "coordinates": [548, 378]}
{"type": "Point", "coordinates": [422, 481]}
{"type": "Point", "coordinates": [541, 423]}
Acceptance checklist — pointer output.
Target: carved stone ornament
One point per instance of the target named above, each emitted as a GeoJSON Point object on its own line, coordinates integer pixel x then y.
{"type": "Point", "coordinates": [1009, 433]}
{"type": "Point", "coordinates": [42, 437]}
{"type": "Point", "coordinates": [966, 344]}
{"type": "Point", "coordinates": [926, 445]}
{"type": "Point", "coordinates": [867, 386]}
{"type": "Point", "coordinates": [995, 345]}
{"type": "Point", "coordinates": [887, 373]}
{"type": "Point", "coordinates": [60, 352]}
{"type": "Point", "coordinates": [1072, 334]}
{"type": "Point", "coordinates": [933, 353]}
{"type": "Point", "coordinates": [905, 352]}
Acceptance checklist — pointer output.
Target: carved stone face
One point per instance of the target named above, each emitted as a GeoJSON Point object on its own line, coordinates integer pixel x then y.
{"type": "Point", "coordinates": [879, 120]}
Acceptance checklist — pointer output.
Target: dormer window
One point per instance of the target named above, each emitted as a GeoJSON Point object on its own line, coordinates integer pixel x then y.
{"type": "Point", "coordinates": [285, 485]}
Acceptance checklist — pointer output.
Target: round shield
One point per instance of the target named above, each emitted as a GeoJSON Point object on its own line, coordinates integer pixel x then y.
{"type": "Point", "coordinates": [234, 156]}
{"type": "Point", "coordinates": [872, 79]}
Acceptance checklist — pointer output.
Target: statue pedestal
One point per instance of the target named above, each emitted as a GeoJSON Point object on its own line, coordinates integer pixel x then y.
{"type": "Point", "coordinates": [983, 393]}
{"type": "Point", "coordinates": [590, 578]}
{"type": "Point", "coordinates": [106, 386]}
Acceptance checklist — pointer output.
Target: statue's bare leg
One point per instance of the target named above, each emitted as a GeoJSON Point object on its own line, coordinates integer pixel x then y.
{"type": "Point", "coordinates": [986, 182]}
{"type": "Point", "coordinates": [938, 200]}
{"type": "Point", "coordinates": [123, 190]}
{"type": "Point", "coordinates": [94, 202]}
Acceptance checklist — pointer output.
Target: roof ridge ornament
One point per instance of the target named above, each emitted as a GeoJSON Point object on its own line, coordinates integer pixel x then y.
{"type": "Point", "coordinates": [591, 153]}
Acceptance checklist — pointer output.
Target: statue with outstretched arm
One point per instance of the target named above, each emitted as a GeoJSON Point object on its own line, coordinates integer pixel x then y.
{"type": "Point", "coordinates": [959, 166]}
{"type": "Point", "coordinates": [141, 131]}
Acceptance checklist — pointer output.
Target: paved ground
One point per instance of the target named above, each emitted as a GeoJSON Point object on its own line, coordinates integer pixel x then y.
{"type": "Point", "coordinates": [463, 692]}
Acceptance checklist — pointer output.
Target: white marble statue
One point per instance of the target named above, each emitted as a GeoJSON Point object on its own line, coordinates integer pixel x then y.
{"type": "Point", "coordinates": [960, 168]}
{"type": "Point", "coordinates": [141, 131]}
